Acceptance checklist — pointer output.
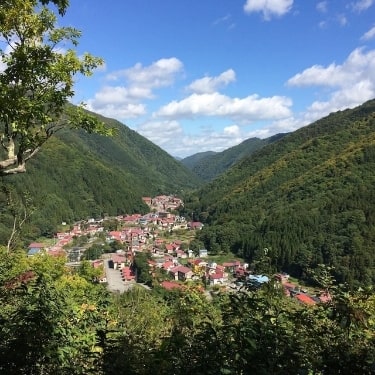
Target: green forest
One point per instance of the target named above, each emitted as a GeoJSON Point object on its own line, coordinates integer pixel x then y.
{"type": "Point", "coordinates": [208, 165]}
{"type": "Point", "coordinates": [308, 198]}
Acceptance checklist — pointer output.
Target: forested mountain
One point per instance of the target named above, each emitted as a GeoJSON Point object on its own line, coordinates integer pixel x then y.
{"type": "Point", "coordinates": [308, 198]}
{"type": "Point", "coordinates": [192, 160]}
{"type": "Point", "coordinates": [78, 175]}
{"type": "Point", "coordinates": [208, 165]}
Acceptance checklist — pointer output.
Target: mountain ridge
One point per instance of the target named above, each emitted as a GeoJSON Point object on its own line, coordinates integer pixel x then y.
{"type": "Point", "coordinates": [308, 198]}
{"type": "Point", "coordinates": [208, 165]}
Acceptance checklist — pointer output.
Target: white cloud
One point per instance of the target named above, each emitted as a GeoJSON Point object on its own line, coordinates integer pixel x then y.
{"type": "Point", "coordinates": [117, 102]}
{"type": "Point", "coordinates": [159, 74]}
{"type": "Point", "coordinates": [171, 137]}
{"type": "Point", "coordinates": [269, 8]}
{"type": "Point", "coordinates": [349, 84]}
{"type": "Point", "coordinates": [232, 130]}
{"type": "Point", "coordinates": [322, 6]}
{"type": "Point", "coordinates": [370, 34]}
{"type": "Point", "coordinates": [248, 109]}
{"type": "Point", "coordinates": [362, 5]}
{"type": "Point", "coordinates": [162, 133]}
{"type": "Point", "coordinates": [342, 20]}
{"type": "Point", "coordinates": [123, 111]}
{"type": "Point", "coordinates": [212, 84]}
{"type": "Point", "coordinates": [134, 85]}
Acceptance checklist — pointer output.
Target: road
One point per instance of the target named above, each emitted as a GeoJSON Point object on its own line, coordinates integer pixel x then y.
{"type": "Point", "coordinates": [114, 281]}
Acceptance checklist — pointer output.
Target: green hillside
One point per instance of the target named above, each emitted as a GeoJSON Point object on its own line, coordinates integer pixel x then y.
{"type": "Point", "coordinates": [78, 175]}
{"type": "Point", "coordinates": [308, 198]}
{"type": "Point", "coordinates": [208, 165]}
{"type": "Point", "coordinates": [192, 160]}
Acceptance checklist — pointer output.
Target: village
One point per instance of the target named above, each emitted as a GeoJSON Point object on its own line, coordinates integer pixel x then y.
{"type": "Point", "coordinates": [170, 263]}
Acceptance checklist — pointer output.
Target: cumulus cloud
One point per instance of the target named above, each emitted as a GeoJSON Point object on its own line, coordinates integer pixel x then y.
{"type": "Point", "coordinates": [212, 84]}
{"type": "Point", "coordinates": [349, 84]}
{"type": "Point", "coordinates": [370, 34]}
{"type": "Point", "coordinates": [170, 136]}
{"type": "Point", "coordinates": [250, 108]}
{"type": "Point", "coordinates": [361, 5]}
{"type": "Point", "coordinates": [159, 74]}
{"type": "Point", "coordinates": [269, 8]}
{"type": "Point", "coordinates": [134, 85]}
{"type": "Point", "coordinates": [162, 133]}
{"type": "Point", "coordinates": [232, 130]}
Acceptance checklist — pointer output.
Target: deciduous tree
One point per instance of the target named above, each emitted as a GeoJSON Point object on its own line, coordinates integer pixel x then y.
{"type": "Point", "coordinates": [38, 64]}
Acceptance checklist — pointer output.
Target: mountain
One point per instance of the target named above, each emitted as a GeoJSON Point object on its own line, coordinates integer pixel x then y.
{"type": "Point", "coordinates": [78, 175]}
{"type": "Point", "coordinates": [192, 160]}
{"type": "Point", "coordinates": [208, 165]}
{"type": "Point", "coordinates": [309, 198]}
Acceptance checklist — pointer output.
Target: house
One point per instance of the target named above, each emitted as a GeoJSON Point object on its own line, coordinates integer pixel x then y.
{"type": "Point", "coordinates": [168, 265]}
{"type": "Point", "coordinates": [147, 200]}
{"type": "Point", "coordinates": [169, 248]}
{"type": "Point", "coordinates": [180, 254]}
{"type": "Point", "coordinates": [217, 278]}
{"type": "Point", "coordinates": [282, 277]}
{"type": "Point", "coordinates": [232, 266]}
{"type": "Point", "coordinates": [304, 298]}
{"type": "Point", "coordinates": [203, 253]}
{"type": "Point", "coordinates": [181, 273]}
{"type": "Point", "coordinates": [118, 261]}
{"type": "Point", "coordinates": [35, 248]}
{"type": "Point", "coordinates": [115, 236]}
{"type": "Point", "coordinates": [195, 225]}
{"type": "Point", "coordinates": [170, 285]}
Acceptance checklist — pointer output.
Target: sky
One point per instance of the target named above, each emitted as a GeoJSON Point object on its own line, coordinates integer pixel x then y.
{"type": "Point", "coordinates": [205, 75]}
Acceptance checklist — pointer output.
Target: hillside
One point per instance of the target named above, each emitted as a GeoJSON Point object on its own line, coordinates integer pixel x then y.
{"type": "Point", "coordinates": [208, 165]}
{"type": "Point", "coordinates": [78, 175]}
{"type": "Point", "coordinates": [308, 198]}
{"type": "Point", "coordinates": [192, 160]}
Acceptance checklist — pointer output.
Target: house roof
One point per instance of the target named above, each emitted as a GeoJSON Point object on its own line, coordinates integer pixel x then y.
{"type": "Point", "coordinates": [36, 245]}
{"type": "Point", "coordinates": [215, 276]}
{"type": "Point", "coordinates": [118, 258]}
{"type": "Point", "coordinates": [181, 269]}
{"type": "Point", "coordinates": [232, 264]}
{"type": "Point", "coordinates": [167, 264]}
{"type": "Point", "coordinates": [169, 285]}
{"type": "Point", "coordinates": [304, 298]}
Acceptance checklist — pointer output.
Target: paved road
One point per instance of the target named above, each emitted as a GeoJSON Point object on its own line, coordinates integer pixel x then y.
{"type": "Point", "coordinates": [114, 280]}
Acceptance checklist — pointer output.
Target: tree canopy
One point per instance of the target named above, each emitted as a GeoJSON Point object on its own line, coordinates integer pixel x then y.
{"type": "Point", "coordinates": [38, 64]}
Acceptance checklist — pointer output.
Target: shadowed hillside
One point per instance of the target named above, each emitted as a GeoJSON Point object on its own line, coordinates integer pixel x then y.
{"type": "Point", "coordinates": [208, 165]}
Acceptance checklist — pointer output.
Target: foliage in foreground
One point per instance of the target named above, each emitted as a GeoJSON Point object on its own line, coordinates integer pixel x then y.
{"type": "Point", "coordinates": [54, 320]}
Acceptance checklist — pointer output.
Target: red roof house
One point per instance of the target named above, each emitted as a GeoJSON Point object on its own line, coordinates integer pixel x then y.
{"type": "Point", "coordinates": [304, 298]}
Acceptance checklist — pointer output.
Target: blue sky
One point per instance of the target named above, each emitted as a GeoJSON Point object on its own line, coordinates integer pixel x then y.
{"type": "Point", "coordinates": [199, 75]}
